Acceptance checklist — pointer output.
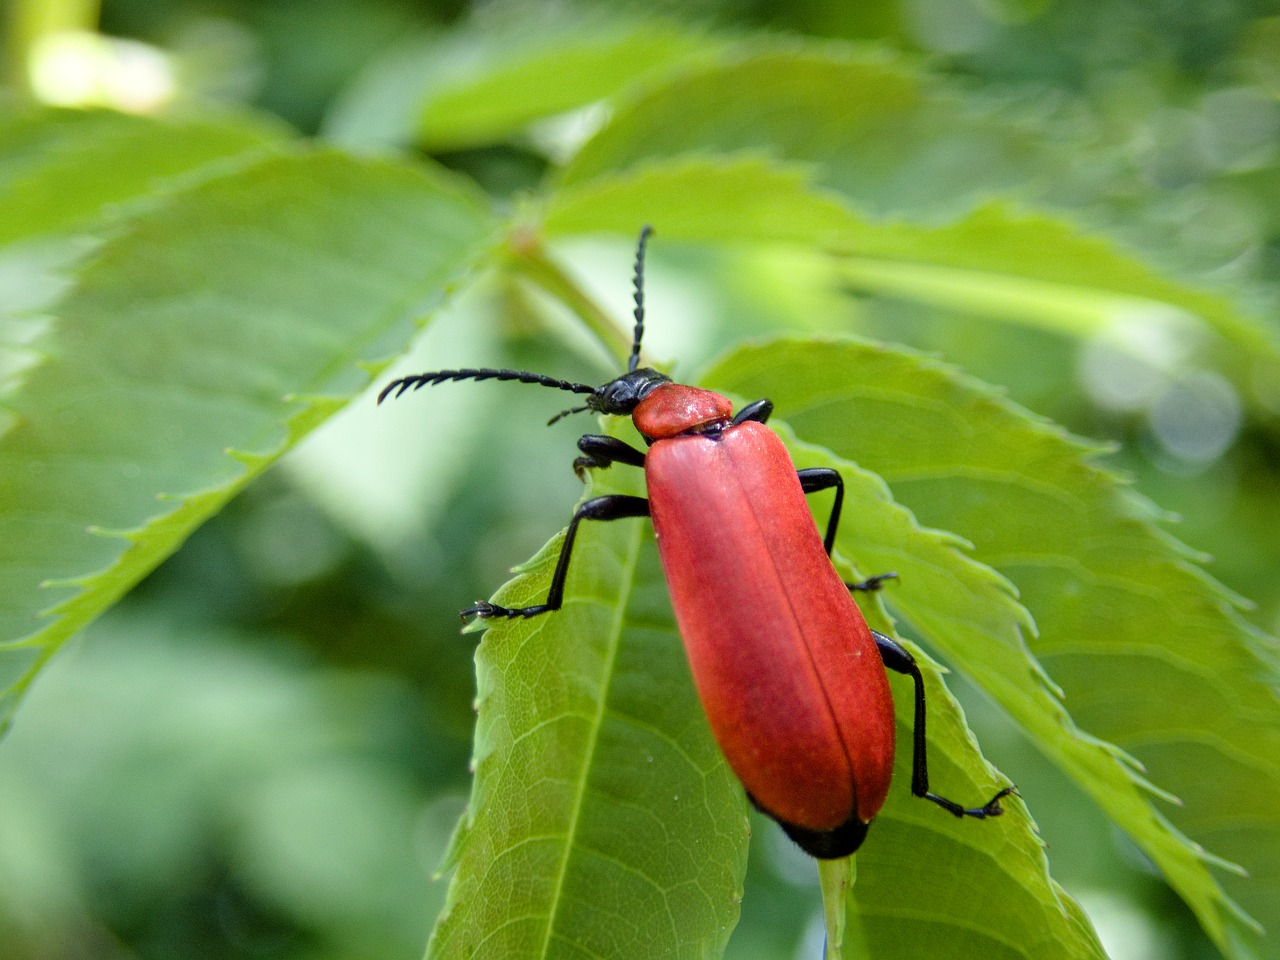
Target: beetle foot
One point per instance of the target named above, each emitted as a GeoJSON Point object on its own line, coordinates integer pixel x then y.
{"type": "Point", "coordinates": [991, 808]}
{"type": "Point", "coordinates": [485, 610]}
{"type": "Point", "coordinates": [871, 584]}
{"type": "Point", "coordinates": [583, 464]}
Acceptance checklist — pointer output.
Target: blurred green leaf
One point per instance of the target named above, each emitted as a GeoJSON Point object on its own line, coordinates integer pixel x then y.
{"type": "Point", "coordinates": [61, 171]}
{"type": "Point", "coordinates": [183, 734]}
{"type": "Point", "coordinates": [689, 198]}
{"type": "Point", "coordinates": [1129, 627]}
{"type": "Point", "coordinates": [870, 121]}
{"type": "Point", "coordinates": [486, 82]}
{"type": "Point", "coordinates": [66, 177]}
{"type": "Point", "coordinates": [193, 350]}
{"type": "Point", "coordinates": [530, 74]}
{"type": "Point", "coordinates": [996, 261]}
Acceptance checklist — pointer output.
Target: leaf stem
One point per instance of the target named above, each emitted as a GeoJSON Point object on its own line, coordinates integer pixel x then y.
{"type": "Point", "coordinates": [1062, 308]}
{"type": "Point", "coordinates": [530, 259]}
{"type": "Point", "coordinates": [836, 878]}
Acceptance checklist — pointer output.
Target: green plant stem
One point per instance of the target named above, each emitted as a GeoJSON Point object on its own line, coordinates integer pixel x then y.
{"type": "Point", "coordinates": [1061, 308]}
{"type": "Point", "coordinates": [531, 261]}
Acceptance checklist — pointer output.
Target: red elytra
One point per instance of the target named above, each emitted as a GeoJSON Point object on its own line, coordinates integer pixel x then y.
{"type": "Point", "coordinates": [785, 665]}
{"type": "Point", "coordinates": [791, 677]}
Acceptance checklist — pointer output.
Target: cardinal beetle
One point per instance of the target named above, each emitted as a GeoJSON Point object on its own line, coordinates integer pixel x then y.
{"type": "Point", "coordinates": [791, 677]}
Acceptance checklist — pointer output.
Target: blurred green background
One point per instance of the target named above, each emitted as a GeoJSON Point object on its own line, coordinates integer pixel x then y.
{"type": "Point", "coordinates": [267, 743]}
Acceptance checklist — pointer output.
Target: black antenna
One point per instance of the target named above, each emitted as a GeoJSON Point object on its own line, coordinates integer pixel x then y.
{"type": "Point", "coordinates": [564, 413]}
{"type": "Point", "coordinates": [419, 380]}
{"type": "Point", "coordinates": [645, 232]}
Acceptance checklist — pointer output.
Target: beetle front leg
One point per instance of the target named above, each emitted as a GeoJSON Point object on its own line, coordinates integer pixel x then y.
{"type": "Point", "coordinates": [602, 452]}
{"type": "Point", "coordinates": [899, 660]}
{"type": "Point", "coordinates": [758, 411]}
{"type": "Point", "coordinates": [612, 507]}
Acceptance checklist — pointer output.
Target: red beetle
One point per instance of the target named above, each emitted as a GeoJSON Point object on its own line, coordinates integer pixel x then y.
{"type": "Point", "coordinates": [791, 677]}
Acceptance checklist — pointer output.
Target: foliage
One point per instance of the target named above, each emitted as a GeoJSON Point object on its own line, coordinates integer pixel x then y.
{"type": "Point", "coordinates": [188, 296]}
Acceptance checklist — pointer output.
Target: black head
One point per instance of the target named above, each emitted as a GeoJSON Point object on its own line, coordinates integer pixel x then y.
{"type": "Point", "coordinates": [620, 396]}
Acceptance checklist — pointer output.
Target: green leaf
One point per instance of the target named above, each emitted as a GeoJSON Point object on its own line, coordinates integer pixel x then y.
{"type": "Point", "coordinates": [872, 125]}
{"type": "Point", "coordinates": [482, 85]}
{"type": "Point", "coordinates": [65, 178]}
{"type": "Point", "coordinates": [944, 593]}
{"type": "Point", "coordinates": [803, 102]}
{"type": "Point", "coordinates": [1149, 650]}
{"type": "Point", "coordinates": [61, 170]}
{"type": "Point", "coordinates": [738, 199]}
{"type": "Point", "coordinates": [603, 820]}
{"type": "Point", "coordinates": [930, 885]}
{"type": "Point", "coordinates": [194, 349]}
{"type": "Point", "coordinates": [542, 74]}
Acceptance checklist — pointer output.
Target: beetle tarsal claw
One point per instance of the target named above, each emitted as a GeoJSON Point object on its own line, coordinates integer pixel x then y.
{"type": "Point", "coordinates": [871, 584]}
{"type": "Point", "coordinates": [992, 807]}
{"type": "Point", "coordinates": [485, 610]}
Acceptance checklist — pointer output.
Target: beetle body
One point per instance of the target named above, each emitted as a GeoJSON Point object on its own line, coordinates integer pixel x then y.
{"type": "Point", "coordinates": [785, 665]}
{"type": "Point", "coordinates": [792, 679]}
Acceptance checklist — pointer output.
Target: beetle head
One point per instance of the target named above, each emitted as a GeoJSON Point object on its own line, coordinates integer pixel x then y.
{"type": "Point", "coordinates": [620, 396]}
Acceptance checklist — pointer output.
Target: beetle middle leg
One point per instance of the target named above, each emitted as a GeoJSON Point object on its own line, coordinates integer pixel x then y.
{"type": "Point", "coordinates": [615, 506]}
{"type": "Point", "coordinates": [824, 478]}
{"type": "Point", "coordinates": [814, 479]}
{"type": "Point", "coordinates": [899, 660]}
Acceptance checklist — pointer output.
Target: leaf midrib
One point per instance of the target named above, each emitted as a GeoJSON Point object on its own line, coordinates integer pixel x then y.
{"type": "Point", "coordinates": [615, 635]}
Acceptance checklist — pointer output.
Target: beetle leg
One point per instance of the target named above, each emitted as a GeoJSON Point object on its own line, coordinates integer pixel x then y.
{"type": "Point", "coordinates": [612, 507]}
{"type": "Point", "coordinates": [601, 452]}
{"type": "Point", "coordinates": [899, 660]}
{"type": "Point", "coordinates": [823, 478]}
{"type": "Point", "coordinates": [814, 479]}
{"type": "Point", "coordinates": [758, 411]}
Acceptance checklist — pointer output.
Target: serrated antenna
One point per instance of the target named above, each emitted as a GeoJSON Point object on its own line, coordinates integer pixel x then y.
{"type": "Point", "coordinates": [645, 232]}
{"type": "Point", "coordinates": [419, 380]}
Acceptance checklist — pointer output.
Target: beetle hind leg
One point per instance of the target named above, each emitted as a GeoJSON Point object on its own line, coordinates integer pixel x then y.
{"type": "Point", "coordinates": [898, 659]}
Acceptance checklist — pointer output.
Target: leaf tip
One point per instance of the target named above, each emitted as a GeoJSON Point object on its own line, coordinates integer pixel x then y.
{"type": "Point", "coordinates": [253, 461]}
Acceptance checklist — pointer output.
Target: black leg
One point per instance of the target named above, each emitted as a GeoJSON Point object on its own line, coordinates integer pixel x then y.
{"type": "Point", "coordinates": [613, 507]}
{"type": "Point", "coordinates": [897, 659]}
{"type": "Point", "coordinates": [758, 411]}
{"type": "Point", "coordinates": [823, 478]}
{"type": "Point", "coordinates": [601, 452]}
